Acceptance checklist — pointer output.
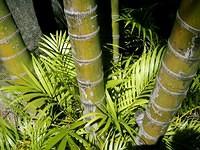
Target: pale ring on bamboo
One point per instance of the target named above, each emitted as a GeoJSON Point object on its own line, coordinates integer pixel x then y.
{"type": "Point", "coordinates": [82, 61]}
{"type": "Point", "coordinates": [171, 92]}
{"type": "Point", "coordinates": [115, 36]}
{"type": "Point", "coordinates": [176, 75]}
{"type": "Point", "coordinates": [80, 14]}
{"type": "Point", "coordinates": [181, 55]}
{"type": "Point", "coordinates": [89, 103]}
{"type": "Point", "coordinates": [6, 39]}
{"type": "Point", "coordinates": [90, 83]}
{"type": "Point", "coordinates": [115, 17]}
{"type": "Point", "coordinates": [186, 25]}
{"type": "Point", "coordinates": [85, 36]}
{"type": "Point", "coordinates": [142, 132]}
{"type": "Point", "coordinates": [14, 77]}
{"type": "Point", "coordinates": [4, 17]}
{"type": "Point", "coordinates": [164, 109]}
{"type": "Point", "coordinates": [13, 56]}
{"type": "Point", "coordinates": [156, 122]}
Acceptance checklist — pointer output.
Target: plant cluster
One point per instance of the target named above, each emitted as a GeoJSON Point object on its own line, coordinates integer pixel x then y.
{"type": "Point", "coordinates": [48, 111]}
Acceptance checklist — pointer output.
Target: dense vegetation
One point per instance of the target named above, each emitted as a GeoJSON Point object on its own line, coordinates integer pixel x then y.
{"type": "Point", "coordinates": [45, 111]}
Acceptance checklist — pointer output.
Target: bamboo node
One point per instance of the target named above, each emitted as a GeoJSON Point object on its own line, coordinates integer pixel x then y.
{"type": "Point", "coordinates": [91, 106]}
{"type": "Point", "coordinates": [14, 77]}
{"type": "Point", "coordinates": [13, 56]}
{"type": "Point", "coordinates": [80, 14]}
{"type": "Point", "coordinates": [142, 132]}
{"type": "Point", "coordinates": [116, 58]}
{"type": "Point", "coordinates": [85, 36]}
{"type": "Point", "coordinates": [115, 36]}
{"type": "Point", "coordinates": [154, 121]}
{"type": "Point", "coordinates": [82, 61]}
{"type": "Point", "coordinates": [171, 92]}
{"type": "Point", "coordinates": [89, 103]}
{"type": "Point", "coordinates": [6, 39]}
{"type": "Point", "coordinates": [165, 109]}
{"type": "Point", "coordinates": [85, 84]}
{"type": "Point", "coordinates": [176, 75]}
{"type": "Point", "coordinates": [5, 17]}
{"type": "Point", "coordinates": [115, 17]}
{"type": "Point", "coordinates": [186, 25]}
{"type": "Point", "coordinates": [184, 57]}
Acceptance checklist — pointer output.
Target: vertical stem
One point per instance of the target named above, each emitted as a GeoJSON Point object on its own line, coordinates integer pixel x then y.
{"type": "Point", "coordinates": [179, 66]}
{"type": "Point", "coordinates": [83, 31]}
{"type": "Point", "coordinates": [13, 54]}
{"type": "Point", "coordinates": [115, 29]}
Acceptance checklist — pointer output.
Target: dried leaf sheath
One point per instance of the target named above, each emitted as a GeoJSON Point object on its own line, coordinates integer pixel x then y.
{"type": "Point", "coordinates": [83, 31]}
{"type": "Point", "coordinates": [13, 52]}
{"type": "Point", "coordinates": [179, 66]}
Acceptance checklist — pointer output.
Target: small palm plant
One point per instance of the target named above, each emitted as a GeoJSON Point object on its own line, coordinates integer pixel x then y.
{"type": "Point", "coordinates": [46, 100]}
{"type": "Point", "coordinates": [128, 90]}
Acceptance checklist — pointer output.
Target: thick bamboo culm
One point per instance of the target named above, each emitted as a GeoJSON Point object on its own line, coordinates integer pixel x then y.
{"type": "Point", "coordinates": [83, 30]}
{"type": "Point", "coordinates": [179, 66]}
{"type": "Point", "coordinates": [115, 29]}
{"type": "Point", "coordinates": [13, 54]}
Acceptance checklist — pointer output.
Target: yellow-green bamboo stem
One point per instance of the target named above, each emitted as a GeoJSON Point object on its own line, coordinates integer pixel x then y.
{"type": "Point", "coordinates": [179, 66]}
{"type": "Point", "coordinates": [13, 54]}
{"type": "Point", "coordinates": [115, 29]}
{"type": "Point", "coordinates": [83, 31]}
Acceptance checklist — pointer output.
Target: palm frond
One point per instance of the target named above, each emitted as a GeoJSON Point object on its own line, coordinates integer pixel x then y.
{"type": "Point", "coordinates": [33, 131]}
{"type": "Point", "coordinates": [134, 83]}
{"type": "Point", "coordinates": [66, 137]}
{"type": "Point", "coordinates": [183, 133]}
{"type": "Point", "coordinates": [8, 135]}
{"type": "Point", "coordinates": [111, 131]}
{"type": "Point", "coordinates": [52, 82]}
{"type": "Point", "coordinates": [139, 30]}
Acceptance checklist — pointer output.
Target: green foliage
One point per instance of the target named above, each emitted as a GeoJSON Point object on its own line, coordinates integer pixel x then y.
{"type": "Point", "coordinates": [61, 137]}
{"type": "Point", "coordinates": [33, 131]}
{"type": "Point", "coordinates": [128, 89]}
{"type": "Point", "coordinates": [45, 87]}
{"type": "Point", "coordinates": [44, 101]}
{"type": "Point", "coordinates": [8, 135]}
{"type": "Point", "coordinates": [49, 110]}
{"type": "Point", "coordinates": [184, 130]}
{"type": "Point", "coordinates": [138, 78]}
{"type": "Point", "coordinates": [139, 30]}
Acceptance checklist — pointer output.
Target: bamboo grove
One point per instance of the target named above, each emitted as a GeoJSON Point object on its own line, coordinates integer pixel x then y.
{"type": "Point", "coordinates": [154, 82]}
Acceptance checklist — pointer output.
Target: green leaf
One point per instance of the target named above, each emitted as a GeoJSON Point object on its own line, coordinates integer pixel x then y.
{"type": "Point", "coordinates": [52, 141]}
{"type": "Point", "coordinates": [72, 144]}
{"type": "Point", "coordinates": [62, 145]}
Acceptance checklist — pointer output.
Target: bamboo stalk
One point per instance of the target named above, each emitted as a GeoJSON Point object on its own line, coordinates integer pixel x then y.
{"type": "Point", "coordinates": [115, 29]}
{"type": "Point", "coordinates": [83, 31]}
{"type": "Point", "coordinates": [13, 54]}
{"type": "Point", "coordinates": [179, 66]}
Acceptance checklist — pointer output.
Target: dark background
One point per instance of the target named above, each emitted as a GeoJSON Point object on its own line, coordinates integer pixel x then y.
{"type": "Point", "coordinates": [163, 13]}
